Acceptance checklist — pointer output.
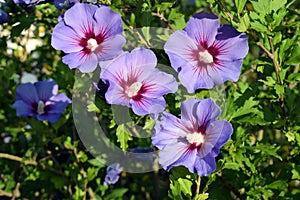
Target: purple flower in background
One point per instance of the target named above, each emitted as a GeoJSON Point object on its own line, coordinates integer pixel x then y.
{"type": "Point", "coordinates": [3, 17]}
{"type": "Point", "coordinates": [29, 2]}
{"type": "Point", "coordinates": [64, 4]}
{"type": "Point", "coordinates": [40, 100]}
{"type": "Point", "coordinates": [135, 82]}
{"type": "Point", "coordinates": [206, 53]}
{"type": "Point", "coordinates": [88, 34]}
{"type": "Point", "coordinates": [112, 174]}
{"type": "Point", "coordinates": [194, 140]}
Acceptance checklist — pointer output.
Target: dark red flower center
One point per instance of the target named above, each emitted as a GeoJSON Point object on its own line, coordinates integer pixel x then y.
{"type": "Point", "coordinates": [91, 43]}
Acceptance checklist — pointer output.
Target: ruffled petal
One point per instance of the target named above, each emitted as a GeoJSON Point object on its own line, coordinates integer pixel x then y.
{"type": "Point", "coordinates": [230, 44]}
{"type": "Point", "coordinates": [74, 60]}
{"type": "Point", "coordinates": [158, 83]}
{"type": "Point", "coordinates": [167, 130]}
{"type": "Point", "coordinates": [189, 113]}
{"type": "Point", "coordinates": [27, 92]}
{"type": "Point", "coordinates": [61, 97]}
{"type": "Point", "coordinates": [110, 48]}
{"type": "Point", "coordinates": [23, 109]}
{"type": "Point", "coordinates": [141, 57]}
{"type": "Point", "coordinates": [187, 159]}
{"type": "Point", "coordinates": [57, 107]}
{"type": "Point", "coordinates": [80, 18]}
{"type": "Point", "coordinates": [229, 70]}
{"type": "Point", "coordinates": [202, 28]}
{"type": "Point", "coordinates": [46, 89]}
{"type": "Point", "coordinates": [207, 111]}
{"type": "Point", "coordinates": [65, 38]}
{"type": "Point", "coordinates": [171, 153]}
{"type": "Point", "coordinates": [90, 63]}
{"type": "Point", "coordinates": [205, 166]}
{"type": "Point", "coordinates": [217, 134]}
{"type": "Point", "coordinates": [193, 78]}
{"type": "Point", "coordinates": [115, 71]}
{"type": "Point", "coordinates": [147, 105]}
{"type": "Point", "coordinates": [51, 117]}
{"type": "Point", "coordinates": [181, 48]}
{"type": "Point", "coordinates": [108, 22]}
{"type": "Point", "coordinates": [115, 95]}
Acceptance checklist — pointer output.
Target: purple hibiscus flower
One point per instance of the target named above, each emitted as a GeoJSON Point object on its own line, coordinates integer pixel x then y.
{"type": "Point", "coordinates": [206, 53]}
{"type": "Point", "coordinates": [135, 82]}
{"type": "Point", "coordinates": [40, 100]}
{"type": "Point", "coordinates": [3, 17]}
{"type": "Point", "coordinates": [64, 4]}
{"type": "Point", "coordinates": [88, 34]}
{"type": "Point", "coordinates": [194, 140]}
{"type": "Point", "coordinates": [112, 174]}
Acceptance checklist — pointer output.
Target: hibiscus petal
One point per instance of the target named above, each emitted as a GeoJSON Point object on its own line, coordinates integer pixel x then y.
{"type": "Point", "coordinates": [217, 134]}
{"type": "Point", "coordinates": [112, 72]}
{"type": "Point", "coordinates": [229, 70]}
{"type": "Point", "coordinates": [61, 97]}
{"type": "Point", "coordinates": [57, 107]}
{"type": "Point", "coordinates": [231, 44]}
{"type": "Point", "coordinates": [80, 18]}
{"type": "Point", "coordinates": [207, 111]}
{"type": "Point", "coordinates": [187, 159]}
{"type": "Point", "coordinates": [141, 57]}
{"type": "Point", "coordinates": [147, 105]}
{"type": "Point", "coordinates": [202, 28]}
{"type": "Point", "coordinates": [205, 166]}
{"type": "Point", "coordinates": [115, 95]}
{"type": "Point", "coordinates": [157, 83]}
{"type": "Point", "coordinates": [46, 89]}
{"type": "Point", "coordinates": [181, 48]}
{"type": "Point", "coordinates": [111, 48]}
{"type": "Point", "coordinates": [167, 130]}
{"type": "Point", "coordinates": [90, 63]}
{"type": "Point", "coordinates": [188, 113]}
{"type": "Point", "coordinates": [193, 78]}
{"type": "Point", "coordinates": [23, 109]}
{"type": "Point", "coordinates": [51, 117]}
{"type": "Point", "coordinates": [74, 60]}
{"type": "Point", "coordinates": [171, 153]}
{"type": "Point", "coordinates": [108, 22]}
{"type": "Point", "coordinates": [27, 92]}
{"type": "Point", "coordinates": [65, 38]}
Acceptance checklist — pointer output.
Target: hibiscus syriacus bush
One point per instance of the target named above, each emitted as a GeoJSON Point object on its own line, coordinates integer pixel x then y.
{"type": "Point", "coordinates": [164, 99]}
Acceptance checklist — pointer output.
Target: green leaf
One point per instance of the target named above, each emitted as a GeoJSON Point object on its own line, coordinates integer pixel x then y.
{"type": "Point", "coordinates": [124, 135]}
{"type": "Point", "coordinates": [177, 18]}
{"type": "Point", "coordinates": [92, 173]}
{"type": "Point", "coordinates": [294, 59]}
{"type": "Point", "coordinates": [275, 5]}
{"type": "Point", "coordinates": [164, 6]}
{"type": "Point", "coordinates": [116, 194]}
{"type": "Point", "coordinates": [232, 165]}
{"type": "Point", "coordinates": [249, 107]}
{"type": "Point", "coordinates": [95, 162]}
{"type": "Point", "coordinates": [202, 196]}
{"type": "Point", "coordinates": [244, 23]}
{"type": "Point", "coordinates": [240, 4]}
{"type": "Point", "coordinates": [278, 185]}
{"type": "Point", "coordinates": [146, 33]}
{"type": "Point", "coordinates": [279, 89]}
{"type": "Point", "coordinates": [185, 186]}
{"type": "Point", "coordinates": [261, 6]}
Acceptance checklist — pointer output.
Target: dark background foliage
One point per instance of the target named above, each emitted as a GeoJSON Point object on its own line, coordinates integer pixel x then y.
{"type": "Point", "coordinates": [39, 160]}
